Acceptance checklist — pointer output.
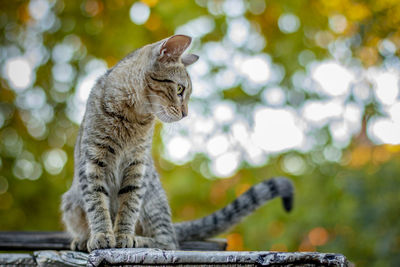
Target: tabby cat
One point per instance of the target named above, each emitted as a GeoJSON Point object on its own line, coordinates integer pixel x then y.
{"type": "Point", "coordinates": [116, 198]}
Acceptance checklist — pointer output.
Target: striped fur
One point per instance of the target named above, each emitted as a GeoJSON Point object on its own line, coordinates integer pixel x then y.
{"type": "Point", "coordinates": [116, 198]}
{"type": "Point", "coordinates": [225, 218]}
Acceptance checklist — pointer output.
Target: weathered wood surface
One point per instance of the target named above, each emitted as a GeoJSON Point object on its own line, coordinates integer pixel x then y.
{"type": "Point", "coordinates": [157, 257]}
{"type": "Point", "coordinates": [68, 258]}
{"type": "Point", "coordinates": [145, 257]}
{"type": "Point", "coordinates": [198, 253]}
{"type": "Point", "coordinates": [17, 259]}
{"type": "Point", "coordinates": [61, 241]}
{"type": "Point", "coordinates": [34, 240]}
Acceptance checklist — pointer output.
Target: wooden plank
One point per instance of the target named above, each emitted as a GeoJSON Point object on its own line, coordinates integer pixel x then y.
{"type": "Point", "coordinates": [141, 256]}
{"type": "Point", "coordinates": [157, 257]}
{"type": "Point", "coordinates": [52, 258]}
{"type": "Point", "coordinates": [34, 240]}
{"type": "Point", "coordinates": [212, 244]}
{"type": "Point", "coordinates": [60, 241]}
{"type": "Point", "coordinates": [145, 257]}
{"type": "Point", "coordinates": [17, 259]}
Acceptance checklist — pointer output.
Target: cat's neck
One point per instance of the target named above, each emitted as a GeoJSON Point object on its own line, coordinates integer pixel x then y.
{"type": "Point", "coordinates": [124, 88]}
{"type": "Point", "coordinates": [124, 108]}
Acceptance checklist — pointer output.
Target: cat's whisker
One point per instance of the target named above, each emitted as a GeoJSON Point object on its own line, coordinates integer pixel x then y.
{"type": "Point", "coordinates": [159, 113]}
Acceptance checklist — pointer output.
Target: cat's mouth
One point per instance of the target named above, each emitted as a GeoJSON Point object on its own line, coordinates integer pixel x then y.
{"type": "Point", "coordinates": [169, 114]}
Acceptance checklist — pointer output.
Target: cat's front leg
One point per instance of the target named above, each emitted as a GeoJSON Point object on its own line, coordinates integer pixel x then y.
{"type": "Point", "coordinates": [130, 198]}
{"type": "Point", "coordinates": [96, 204]}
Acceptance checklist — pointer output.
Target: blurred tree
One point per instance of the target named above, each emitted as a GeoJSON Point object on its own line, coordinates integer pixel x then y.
{"type": "Point", "coordinates": [307, 89]}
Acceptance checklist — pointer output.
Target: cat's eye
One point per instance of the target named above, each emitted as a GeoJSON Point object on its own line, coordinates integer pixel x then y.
{"type": "Point", "coordinates": [180, 89]}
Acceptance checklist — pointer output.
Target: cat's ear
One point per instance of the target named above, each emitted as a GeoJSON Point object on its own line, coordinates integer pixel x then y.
{"type": "Point", "coordinates": [189, 59]}
{"type": "Point", "coordinates": [174, 47]}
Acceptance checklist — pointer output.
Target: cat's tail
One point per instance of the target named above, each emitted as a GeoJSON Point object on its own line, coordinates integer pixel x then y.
{"type": "Point", "coordinates": [223, 219]}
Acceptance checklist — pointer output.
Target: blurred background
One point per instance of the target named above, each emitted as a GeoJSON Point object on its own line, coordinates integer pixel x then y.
{"type": "Point", "coordinates": [305, 89]}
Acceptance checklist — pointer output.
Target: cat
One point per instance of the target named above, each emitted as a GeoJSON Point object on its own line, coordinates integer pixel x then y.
{"type": "Point", "coordinates": [116, 198]}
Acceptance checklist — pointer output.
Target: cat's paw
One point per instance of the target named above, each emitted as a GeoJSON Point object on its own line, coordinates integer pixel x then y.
{"type": "Point", "coordinates": [125, 240]}
{"type": "Point", "coordinates": [101, 240]}
{"type": "Point", "coordinates": [78, 244]}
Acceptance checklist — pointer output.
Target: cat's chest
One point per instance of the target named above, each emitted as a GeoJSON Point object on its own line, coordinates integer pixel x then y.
{"type": "Point", "coordinates": [123, 159]}
{"type": "Point", "coordinates": [128, 135]}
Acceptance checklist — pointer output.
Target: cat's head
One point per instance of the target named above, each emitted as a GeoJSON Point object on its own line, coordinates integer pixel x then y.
{"type": "Point", "coordinates": [168, 85]}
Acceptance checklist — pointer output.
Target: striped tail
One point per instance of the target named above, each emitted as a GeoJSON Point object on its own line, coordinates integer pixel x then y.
{"type": "Point", "coordinates": [223, 219]}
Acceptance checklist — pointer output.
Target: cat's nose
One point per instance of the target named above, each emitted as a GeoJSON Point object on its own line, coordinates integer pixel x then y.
{"type": "Point", "coordinates": [184, 113]}
{"type": "Point", "coordinates": [184, 109]}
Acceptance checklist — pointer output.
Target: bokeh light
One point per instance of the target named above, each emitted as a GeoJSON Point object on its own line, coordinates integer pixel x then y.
{"type": "Point", "coordinates": [238, 31]}
{"type": "Point", "coordinates": [333, 78]}
{"type": "Point", "coordinates": [178, 149]}
{"type": "Point", "coordinates": [25, 167]}
{"type": "Point", "coordinates": [277, 130]}
{"type": "Point", "coordinates": [198, 27]}
{"type": "Point", "coordinates": [288, 23]}
{"type": "Point", "coordinates": [294, 165]}
{"type": "Point", "coordinates": [19, 73]}
{"type": "Point", "coordinates": [256, 69]}
{"type": "Point", "coordinates": [338, 23]}
{"type": "Point", "coordinates": [318, 236]}
{"type": "Point", "coordinates": [54, 161]}
{"type": "Point", "coordinates": [387, 86]}
{"type": "Point", "coordinates": [226, 164]}
{"type": "Point", "coordinates": [38, 9]}
{"type": "Point", "coordinates": [234, 8]}
{"type": "Point", "coordinates": [217, 145]}
{"type": "Point", "coordinates": [139, 13]}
